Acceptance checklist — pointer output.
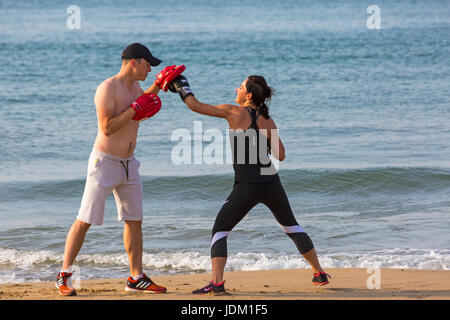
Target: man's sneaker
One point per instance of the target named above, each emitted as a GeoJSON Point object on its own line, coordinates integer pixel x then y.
{"type": "Point", "coordinates": [321, 278]}
{"type": "Point", "coordinates": [143, 284]}
{"type": "Point", "coordinates": [212, 289]}
{"type": "Point", "coordinates": [62, 284]}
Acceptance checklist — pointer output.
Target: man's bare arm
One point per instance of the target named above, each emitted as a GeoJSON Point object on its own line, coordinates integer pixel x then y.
{"type": "Point", "coordinates": [105, 104]}
{"type": "Point", "coordinates": [153, 89]}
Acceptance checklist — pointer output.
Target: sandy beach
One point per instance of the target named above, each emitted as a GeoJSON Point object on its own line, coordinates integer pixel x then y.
{"type": "Point", "coordinates": [286, 284]}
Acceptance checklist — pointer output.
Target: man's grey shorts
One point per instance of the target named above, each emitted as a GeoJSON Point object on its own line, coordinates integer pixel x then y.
{"type": "Point", "coordinates": [105, 174]}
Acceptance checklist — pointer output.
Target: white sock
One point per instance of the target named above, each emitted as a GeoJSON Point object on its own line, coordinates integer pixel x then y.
{"type": "Point", "coordinates": [137, 277]}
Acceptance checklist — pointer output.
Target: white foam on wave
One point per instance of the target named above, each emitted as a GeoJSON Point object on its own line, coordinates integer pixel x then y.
{"type": "Point", "coordinates": [11, 278]}
{"type": "Point", "coordinates": [24, 258]}
{"type": "Point", "coordinates": [392, 258]}
{"type": "Point", "coordinates": [15, 264]}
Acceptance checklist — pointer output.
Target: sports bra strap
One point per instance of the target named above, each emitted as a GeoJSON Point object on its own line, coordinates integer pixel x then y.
{"type": "Point", "coordinates": [254, 117]}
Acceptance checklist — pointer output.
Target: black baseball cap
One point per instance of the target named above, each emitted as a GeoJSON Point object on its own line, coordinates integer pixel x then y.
{"type": "Point", "coordinates": [137, 50]}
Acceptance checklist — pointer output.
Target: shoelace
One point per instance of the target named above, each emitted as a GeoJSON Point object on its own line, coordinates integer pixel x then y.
{"type": "Point", "coordinates": [144, 282]}
{"type": "Point", "coordinates": [212, 285]}
{"type": "Point", "coordinates": [209, 287]}
{"type": "Point", "coordinates": [63, 277]}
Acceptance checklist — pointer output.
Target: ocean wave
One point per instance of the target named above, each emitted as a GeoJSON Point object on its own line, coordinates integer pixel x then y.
{"type": "Point", "coordinates": [25, 261]}
{"type": "Point", "coordinates": [364, 181]}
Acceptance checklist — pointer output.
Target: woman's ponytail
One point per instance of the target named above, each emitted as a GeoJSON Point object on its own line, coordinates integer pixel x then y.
{"type": "Point", "coordinates": [261, 94]}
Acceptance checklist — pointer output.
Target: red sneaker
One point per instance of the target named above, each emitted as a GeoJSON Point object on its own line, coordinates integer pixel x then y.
{"type": "Point", "coordinates": [62, 284]}
{"type": "Point", "coordinates": [144, 284]}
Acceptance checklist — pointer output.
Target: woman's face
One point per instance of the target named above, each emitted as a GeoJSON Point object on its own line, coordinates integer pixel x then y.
{"type": "Point", "coordinates": [241, 93]}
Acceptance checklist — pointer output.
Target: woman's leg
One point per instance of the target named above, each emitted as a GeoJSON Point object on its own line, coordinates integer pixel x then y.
{"type": "Point", "coordinates": [237, 205]}
{"type": "Point", "coordinates": [218, 267]}
{"type": "Point", "coordinates": [276, 199]}
{"type": "Point", "coordinates": [311, 258]}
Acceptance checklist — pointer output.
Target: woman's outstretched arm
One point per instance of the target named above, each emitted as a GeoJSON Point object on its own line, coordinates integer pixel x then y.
{"type": "Point", "coordinates": [220, 111]}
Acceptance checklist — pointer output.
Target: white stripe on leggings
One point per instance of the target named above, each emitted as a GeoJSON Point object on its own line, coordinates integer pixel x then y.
{"type": "Point", "coordinates": [292, 229]}
{"type": "Point", "coordinates": [219, 235]}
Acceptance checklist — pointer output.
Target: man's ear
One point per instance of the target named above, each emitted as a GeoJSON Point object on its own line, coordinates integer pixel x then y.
{"type": "Point", "coordinates": [133, 62]}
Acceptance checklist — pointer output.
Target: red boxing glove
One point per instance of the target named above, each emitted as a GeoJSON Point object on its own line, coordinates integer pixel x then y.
{"type": "Point", "coordinates": [162, 75]}
{"type": "Point", "coordinates": [146, 106]}
{"type": "Point", "coordinates": [166, 76]}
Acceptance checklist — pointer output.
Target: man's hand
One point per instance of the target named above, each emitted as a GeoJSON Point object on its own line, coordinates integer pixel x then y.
{"type": "Point", "coordinates": [166, 76]}
{"type": "Point", "coordinates": [146, 106]}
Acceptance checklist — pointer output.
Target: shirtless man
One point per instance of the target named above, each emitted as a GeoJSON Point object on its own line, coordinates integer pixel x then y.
{"type": "Point", "coordinates": [121, 104]}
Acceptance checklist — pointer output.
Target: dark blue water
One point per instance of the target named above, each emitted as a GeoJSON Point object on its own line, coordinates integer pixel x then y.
{"type": "Point", "coordinates": [364, 116]}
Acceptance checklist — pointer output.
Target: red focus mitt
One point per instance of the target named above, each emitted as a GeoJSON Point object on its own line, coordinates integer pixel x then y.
{"type": "Point", "coordinates": [165, 77]}
{"type": "Point", "coordinates": [146, 106]}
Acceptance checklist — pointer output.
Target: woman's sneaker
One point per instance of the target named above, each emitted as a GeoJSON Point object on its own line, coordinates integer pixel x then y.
{"type": "Point", "coordinates": [143, 284]}
{"type": "Point", "coordinates": [321, 278]}
{"type": "Point", "coordinates": [212, 289]}
{"type": "Point", "coordinates": [62, 284]}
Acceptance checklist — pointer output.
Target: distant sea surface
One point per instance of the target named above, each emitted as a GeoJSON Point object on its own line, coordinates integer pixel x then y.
{"type": "Point", "coordinates": [364, 115]}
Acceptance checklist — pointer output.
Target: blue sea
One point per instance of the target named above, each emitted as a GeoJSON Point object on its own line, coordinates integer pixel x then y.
{"type": "Point", "coordinates": [364, 114]}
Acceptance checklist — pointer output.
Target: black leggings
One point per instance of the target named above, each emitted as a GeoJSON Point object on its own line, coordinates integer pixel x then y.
{"type": "Point", "coordinates": [243, 198]}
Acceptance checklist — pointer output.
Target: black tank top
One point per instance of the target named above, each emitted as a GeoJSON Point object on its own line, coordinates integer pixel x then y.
{"type": "Point", "coordinates": [250, 150]}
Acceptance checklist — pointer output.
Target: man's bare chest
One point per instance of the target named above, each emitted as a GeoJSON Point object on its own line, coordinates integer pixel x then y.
{"type": "Point", "coordinates": [124, 98]}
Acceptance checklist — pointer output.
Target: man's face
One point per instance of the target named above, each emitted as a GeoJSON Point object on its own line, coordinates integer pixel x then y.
{"type": "Point", "coordinates": [142, 68]}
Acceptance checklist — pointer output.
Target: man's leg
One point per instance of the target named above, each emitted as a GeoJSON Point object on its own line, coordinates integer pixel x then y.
{"type": "Point", "coordinates": [132, 240]}
{"type": "Point", "coordinates": [92, 207]}
{"type": "Point", "coordinates": [129, 199]}
{"type": "Point", "coordinates": [74, 241]}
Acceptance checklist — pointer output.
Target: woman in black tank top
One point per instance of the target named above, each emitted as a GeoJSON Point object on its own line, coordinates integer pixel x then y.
{"type": "Point", "coordinates": [256, 179]}
{"type": "Point", "coordinates": [251, 150]}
